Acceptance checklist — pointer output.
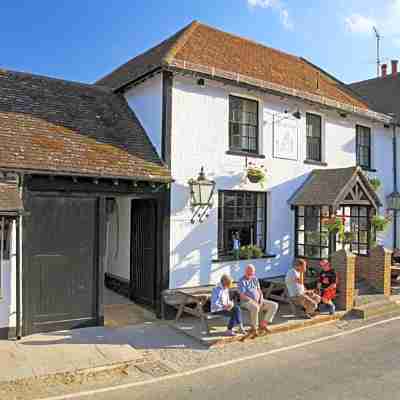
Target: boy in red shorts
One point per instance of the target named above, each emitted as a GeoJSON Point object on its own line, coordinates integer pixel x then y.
{"type": "Point", "coordinates": [327, 285]}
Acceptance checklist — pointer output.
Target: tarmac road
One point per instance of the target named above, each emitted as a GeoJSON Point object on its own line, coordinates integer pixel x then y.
{"type": "Point", "coordinates": [359, 366]}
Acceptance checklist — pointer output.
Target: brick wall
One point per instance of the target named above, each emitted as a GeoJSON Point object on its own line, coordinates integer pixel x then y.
{"type": "Point", "coordinates": [375, 269]}
{"type": "Point", "coordinates": [344, 263]}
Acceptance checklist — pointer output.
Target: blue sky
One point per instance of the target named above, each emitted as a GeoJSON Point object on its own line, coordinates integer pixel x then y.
{"type": "Point", "coordinates": [83, 40]}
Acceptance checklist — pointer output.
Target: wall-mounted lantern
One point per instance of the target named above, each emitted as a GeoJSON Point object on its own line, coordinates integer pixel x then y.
{"type": "Point", "coordinates": [393, 201]}
{"type": "Point", "coordinates": [201, 193]}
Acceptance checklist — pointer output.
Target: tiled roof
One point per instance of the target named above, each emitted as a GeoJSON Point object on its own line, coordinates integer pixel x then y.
{"type": "Point", "coordinates": [201, 45]}
{"type": "Point", "coordinates": [383, 94]}
{"type": "Point", "coordinates": [325, 187]}
{"type": "Point", "coordinates": [63, 127]}
{"type": "Point", "coordinates": [9, 197]}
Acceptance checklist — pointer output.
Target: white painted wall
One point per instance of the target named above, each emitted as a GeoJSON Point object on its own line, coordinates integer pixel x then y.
{"type": "Point", "coordinates": [200, 138]}
{"type": "Point", "coordinates": [119, 239]}
{"type": "Point", "coordinates": [146, 101]}
{"type": "Point", "coordinates": [8, 298]}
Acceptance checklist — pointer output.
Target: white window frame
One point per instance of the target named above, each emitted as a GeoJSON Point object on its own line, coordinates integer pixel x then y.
{"type": "Point", "coordinates": [372, 144]}
{"type": "Point", "coordinates": [323, 135]}
{"type": "Point", "coordinates": [260, 133]}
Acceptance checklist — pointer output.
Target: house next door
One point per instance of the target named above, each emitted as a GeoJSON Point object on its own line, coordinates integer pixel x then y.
{"type": "Point", "coordinates": [143, 251]}
{"type": "Point", "coordinates": [59, 267]}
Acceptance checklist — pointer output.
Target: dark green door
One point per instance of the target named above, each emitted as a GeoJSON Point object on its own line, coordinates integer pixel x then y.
{"type": "Point", "coordinates": [60, 266]}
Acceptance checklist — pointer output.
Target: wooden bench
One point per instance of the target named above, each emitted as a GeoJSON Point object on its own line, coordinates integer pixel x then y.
{"type": "Point", "coordinates": [272, 286]}
{"type": "Point", "coordinates": [192, 301]}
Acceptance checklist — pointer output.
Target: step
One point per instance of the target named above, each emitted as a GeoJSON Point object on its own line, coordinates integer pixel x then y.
{"type": "Point", "coordinates": [374, 309]}
{"type": "Point", "coordinates": [368, 299]}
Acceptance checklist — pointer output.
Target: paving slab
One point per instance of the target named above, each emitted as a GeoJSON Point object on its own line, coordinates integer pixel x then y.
{"type": "Point", "coordinates": [284, 321]}
{"type": "Point", "coordinates": [69, 351]}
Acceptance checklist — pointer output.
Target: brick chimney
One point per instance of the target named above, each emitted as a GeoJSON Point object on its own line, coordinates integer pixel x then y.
{"type": "Point", "coordinates": [384, 70]}
{"type": "Point", "coordinates": [394, 67]}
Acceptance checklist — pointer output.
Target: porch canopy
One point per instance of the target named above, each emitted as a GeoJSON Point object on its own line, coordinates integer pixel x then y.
{"type": "Point", "coordinates": [344, 192]}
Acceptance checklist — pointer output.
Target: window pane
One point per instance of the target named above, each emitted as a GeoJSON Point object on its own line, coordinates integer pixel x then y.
{"type": "Point", "coordinates": [313, 123]}
{"type": "Point", "coordinates": [243, 116]}
{"type": "Point", "coordinates": [300, 251]}
{"type": "Point", "coordinates": [312, 251]}
{"type": "Point", "coordinates": [300, 237]}
{"type": "Point", "coordinates": [300, 211]}
{"type": "Point", "coordinates": [300, 223]}
{"type": "Point", "coordinates": [240, 215]}
{"type": "Point", "coordinates": [363, 146]}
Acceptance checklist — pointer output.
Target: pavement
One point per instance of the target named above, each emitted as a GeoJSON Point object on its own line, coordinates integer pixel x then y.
{"type": "Point", "coordinates": [70, 361]}
{"type": "Point", "coordinates": [76, 350]}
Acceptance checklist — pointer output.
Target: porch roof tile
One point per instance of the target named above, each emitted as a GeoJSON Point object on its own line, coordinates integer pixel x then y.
{"type": "Point", "coordinates": [325, 186]}
{"type": "Point", "coordinates": [55, 126]}
{"type": "Point", "coordinates": [9, 197]}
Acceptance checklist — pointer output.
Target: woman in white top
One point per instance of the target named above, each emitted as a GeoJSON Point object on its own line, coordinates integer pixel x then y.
{"type": "Point", "coordinates": [222, 304]}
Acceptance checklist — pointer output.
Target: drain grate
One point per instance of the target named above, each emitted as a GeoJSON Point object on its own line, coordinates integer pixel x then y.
{"type": "Point", "coordinates": [155, 368]}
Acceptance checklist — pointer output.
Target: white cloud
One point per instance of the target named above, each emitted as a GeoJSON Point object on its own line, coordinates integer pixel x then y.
{"type": "Point", "coordinates": [277, 6]}
{"type": "Point", "coordinates": [359, 24]}
{"type": "Point", "coordinates": [386, 19]}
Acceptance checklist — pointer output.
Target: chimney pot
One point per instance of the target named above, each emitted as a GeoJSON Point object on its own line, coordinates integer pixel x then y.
{"type": "Point", "coordinates": [394, 66]}
{"type": "Point", "coordinates": [384, 70]}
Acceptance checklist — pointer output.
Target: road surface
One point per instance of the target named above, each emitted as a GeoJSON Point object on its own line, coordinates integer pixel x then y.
{"type": "Point", "coordinates": [361, 366]}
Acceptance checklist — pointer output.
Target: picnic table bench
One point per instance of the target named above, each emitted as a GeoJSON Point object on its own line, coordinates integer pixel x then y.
{"type": "Point", "coordinates": [192, 301]}
{"type": "Point", "coordinates": [275, 289]}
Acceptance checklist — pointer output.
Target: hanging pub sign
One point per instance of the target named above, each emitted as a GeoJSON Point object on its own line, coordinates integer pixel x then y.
{"type": "Point", "coordinates": [286, 140]}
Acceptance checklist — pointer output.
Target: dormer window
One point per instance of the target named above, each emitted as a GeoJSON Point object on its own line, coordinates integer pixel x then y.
{"type": "Point", "coordinates": [243, 125]}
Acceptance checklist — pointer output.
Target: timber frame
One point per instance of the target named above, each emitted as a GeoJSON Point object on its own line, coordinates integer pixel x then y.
{"type": "Point", "coordinates": [99, 189]}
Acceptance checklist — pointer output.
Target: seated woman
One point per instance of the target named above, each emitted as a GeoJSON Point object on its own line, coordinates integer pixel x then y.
{"type": "Point", "coordinates": [327, 285]}
{"type": "Point", "coordinates": [222, 304]}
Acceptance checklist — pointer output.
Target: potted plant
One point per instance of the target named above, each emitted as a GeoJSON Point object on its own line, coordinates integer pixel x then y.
{"type": "Point", "coordinates": [375, 183]}
{"type": "Point", "coordinates": [250, 251]}
{"type": "Point", "coordinates": [255, 173]}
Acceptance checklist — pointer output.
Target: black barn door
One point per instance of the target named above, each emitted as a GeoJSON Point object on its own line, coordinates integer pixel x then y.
{"type": "Point", "coordinates": [143, 251]}
{"type": "Point", "coordinates": [60, 269]}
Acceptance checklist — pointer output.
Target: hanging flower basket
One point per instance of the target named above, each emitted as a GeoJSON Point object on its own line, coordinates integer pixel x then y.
{"type": "Point", "coordinates": [375, 183]}
{"type": "Point", "coordinates": [335, 225]}
{"type": "Point", "coordinates": [255, 173]}
{"type": "Point", "coordinates": [380, 223]}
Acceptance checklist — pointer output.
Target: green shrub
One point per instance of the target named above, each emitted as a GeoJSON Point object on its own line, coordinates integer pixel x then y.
{"type": "Point", "coordinates": [250, 251]}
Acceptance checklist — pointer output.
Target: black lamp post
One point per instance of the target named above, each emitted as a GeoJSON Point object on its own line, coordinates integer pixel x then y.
{"type": "Point", "coordinates": [201, 193]}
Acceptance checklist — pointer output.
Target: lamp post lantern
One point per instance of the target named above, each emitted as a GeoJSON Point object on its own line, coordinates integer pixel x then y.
{"type": "Point", "coordinates": [201, 193]}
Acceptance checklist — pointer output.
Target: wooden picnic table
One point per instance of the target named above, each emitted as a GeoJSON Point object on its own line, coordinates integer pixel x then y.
{"type": "Point", "coordinates": [277, 284]}
{"type": "Point", "coordinates": [192, 301]}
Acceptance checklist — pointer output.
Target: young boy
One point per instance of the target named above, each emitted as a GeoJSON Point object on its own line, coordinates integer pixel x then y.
{"type": "Point", "coordinates": [327, 285]}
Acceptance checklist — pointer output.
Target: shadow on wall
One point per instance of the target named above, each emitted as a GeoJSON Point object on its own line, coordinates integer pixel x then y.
{"type": "Point", "coordinates": [192, 257]}
{"type": "Point", "coordinates": [350, 146]}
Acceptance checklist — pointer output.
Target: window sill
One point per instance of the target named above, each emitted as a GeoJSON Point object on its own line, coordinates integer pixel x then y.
{"type": "Point", "coordinates": [232, 258]}
{"type": "Point", "coordinates": [314, 162]}
{"type": "Point", "coordinates": [368, 169]}
{"type": "Point", "coordinates": [244, 154]}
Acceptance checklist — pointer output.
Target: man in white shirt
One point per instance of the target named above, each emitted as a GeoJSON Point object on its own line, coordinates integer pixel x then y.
{"type": "Point", "coordinates": [297, 292]}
